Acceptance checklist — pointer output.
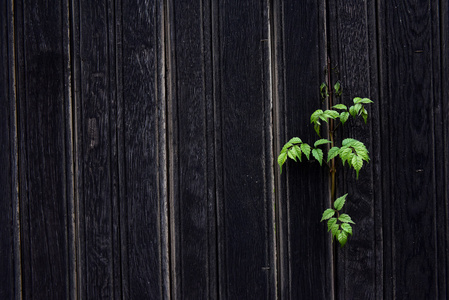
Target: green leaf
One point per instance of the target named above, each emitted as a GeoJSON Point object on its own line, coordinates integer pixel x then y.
{"type": "Point", "coordinates": [345, 219]}
{"type": "Point", "coordinates": [327, 214]}
{"type": "Point", "coordinates": [291, 154]}
{"type": "Point", "coordinates": [331, 222]}
{"type": "Point", "coordinates": [321, 142]}
{"type": "Point", "coordinates": [340, 106]}
{"type": "Point", "coordinates": [297, 151]}
{"type": "Point", "coordinates": [323, 90]}
{"type": "Point", "coordinates": [306, 150]}
{"type": "Point", "coordinates": [281, 160]}
{"type": "Point", "coordinates": [344, 117]}
{"type": "Point", "coordinates": [358, 108]}
{"type": "Point", "coordinates": [324, 117]}
{"type": "Point", "coordinates": [345, 154]}
{"type": "Point", "coordinates": [318, 154]}
{"type": "Point", "coordinates": [332, 153]}
{"type": "Point", "coordinates": [316, 126]}
{"type": "Point", "coordinates": [365, 115]}
{"type": "Point", "coordinates": [348, 142]}
{"type": "Point", "coordinates": [347, 228]}
{"type": "Point", "coordinates": [357, 163]}
{"type": "Point", "coordinates": [353, 111]}
{"type": "Point", "coordinates": [331, 114]}
{"type": "Point", "coordinates": [360, 100]}
{"type": "Point", "coordinates": [339, 202]}
{"type": "Point", "coordinates": [357, 100]}
{"type": "Point", "coordinates": [335, 229]}
{"type": "Point", "coordinates": [286, 146]}
{"type": "Point", "coordinates": [315, 116]}
{"type": "Point", "coordinates": [295, 140]}
{"type": "Point", "coordinates": [338, 89]}
{"type": "Point", "coordinates": [342, 238]}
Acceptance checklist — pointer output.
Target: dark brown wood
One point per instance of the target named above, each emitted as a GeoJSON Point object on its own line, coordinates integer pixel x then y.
{"type": "Point", "coordinates": [138, 145]}
{"type": "Point", "coordinates": [95, 105]}
{"type": "Point", "coordinates": [245, 201]}
{"type": "Point", "coordinates": [43, 188]}
{"type": "Point", "coordinates": [442, 196]}
{"type": "Point", "coordinates": [409, 104]}
{"type": "Point", "coordinates": [192, 116]}
{"type": "Point", "coordinates": [304, 253]}
{"type": "Point", "coordinates": [144, 206]}
{"type": "Point", "coordinates": [354, 59]}
{"type": "Point", "coordinates": [7, 159]}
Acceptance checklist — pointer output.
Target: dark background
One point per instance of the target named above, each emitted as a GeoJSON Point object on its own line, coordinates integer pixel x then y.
{"type": "Point", "coordinates": [139, 143]}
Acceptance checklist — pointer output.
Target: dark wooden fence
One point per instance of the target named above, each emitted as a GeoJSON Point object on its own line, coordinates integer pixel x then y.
{"type": "Point", "coordinates": [139, 142]}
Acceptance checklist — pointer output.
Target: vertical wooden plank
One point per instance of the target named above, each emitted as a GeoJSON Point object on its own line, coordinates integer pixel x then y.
{"type": "Point", "coordinates": [444, 56]}
{"type": "Point", "coordinates": [408, 103]}
{"type": "Point", "coordinates": [144, 207]}
{"type": "Point", "coordinates": [304, 254]}
{"type": "Point", "coordinates": [440, 84]}
{"type": "Point", "coordinates": [95, 119]}
{"type": "Point", "coordinates": [42, 99]}
{"type": "Point", "coordinates": [7, 159]}
{"type": "Point", "coordinates": [245, 200]}
{"type": "Point", "coordinates": [69, 150]}
{"type": "Point", "coordinates": [193, 186]}
{"type": "Point", "coordinates": [352, 28]}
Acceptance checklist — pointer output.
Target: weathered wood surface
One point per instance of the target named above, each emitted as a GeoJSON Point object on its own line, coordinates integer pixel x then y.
{"type": "Point", "coordinates": [44, 177]}
{"type": "Point", "coordinates": [192, 151]}
{"type": "Point", "coordinates": [355, 61]}
{"type": "Point", "coordinates": [139, 141]}
{"type": "Point", "coordinates": [302, 188]}
{"type": "Point", "coordinates": [414, 155]}
{"type": "Point", "coordinates": [8, 159]}
{"type": "Point", "coordinates": [245, 200]}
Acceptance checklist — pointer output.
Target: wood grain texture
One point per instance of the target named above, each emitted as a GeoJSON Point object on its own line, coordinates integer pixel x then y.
{"type": "Point", "coordinates": [7, 160]}
{"type": "Point", "coordinates": [139, 140]}
{"type": "Point", "coordinates": [144, 170]}
{"type": "Point", "coordinates": [94, 136]}
{"type": "Point", "coordinates": [352, 27]}
{"type": "Point", "coordinates": [245, 202]}
{"type": "Point", "coordinates": [440, 53]}
{"type": "Point", "coordinates": [42, 98]}
{"type": "Point", "coordinates": [443, 221]}
{"type": "Point", "coordinates": [408, 103]}
{"type": "Point", "coordinates": [193, 187]}
{"type": "Point", "coordinates": [304, 246]}
{"type": "Point", "coordinates": [42, 161]}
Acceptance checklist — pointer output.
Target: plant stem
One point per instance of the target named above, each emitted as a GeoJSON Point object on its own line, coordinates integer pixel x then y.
{"type": "Point", "coordinates": [333, 173]}
{"type": "Point", "coordinates": [331, 131]}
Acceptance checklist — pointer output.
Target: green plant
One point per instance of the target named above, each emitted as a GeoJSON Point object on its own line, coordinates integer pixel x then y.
{"type": "Point", "coordinates": [351, 152]}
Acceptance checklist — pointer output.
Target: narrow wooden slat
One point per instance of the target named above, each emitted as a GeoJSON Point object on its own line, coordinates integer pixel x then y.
{"type": "Point", "coordinates": [7, 160]}
{"type": "Point", "coordinates": [245, 199]}
{"type": "Point", "coordinates": [444, 67]}
{"type": "Point", "coordinates": [304, 243]}
{"type": "Point", "coordinates": [69, 150]}
{"type": "Point", "coordinates": [193, 195]}
{"type": "Point", "coordinates": [440, 84]}
{"type": "Point", "coordinates": [353, 36]}
{"type": "Point", "coordinates": [94, 173]}
{"type": "Point", "coordinates": [144, 208]}
{"type": "Point", "coordinates": [408, 103]}
{"type": "Point", "coordinates": [43, 186]}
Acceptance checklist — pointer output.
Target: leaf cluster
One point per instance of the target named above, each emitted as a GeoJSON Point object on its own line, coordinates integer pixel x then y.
{"type": "Point", "coordinates": [343, 113]}
{"type": "Point", "coordinates": [351, 151]}
{"type": "Point", "coordinates": [338, 224]}
{"type": "Point", "coordinates": [294, 149]}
